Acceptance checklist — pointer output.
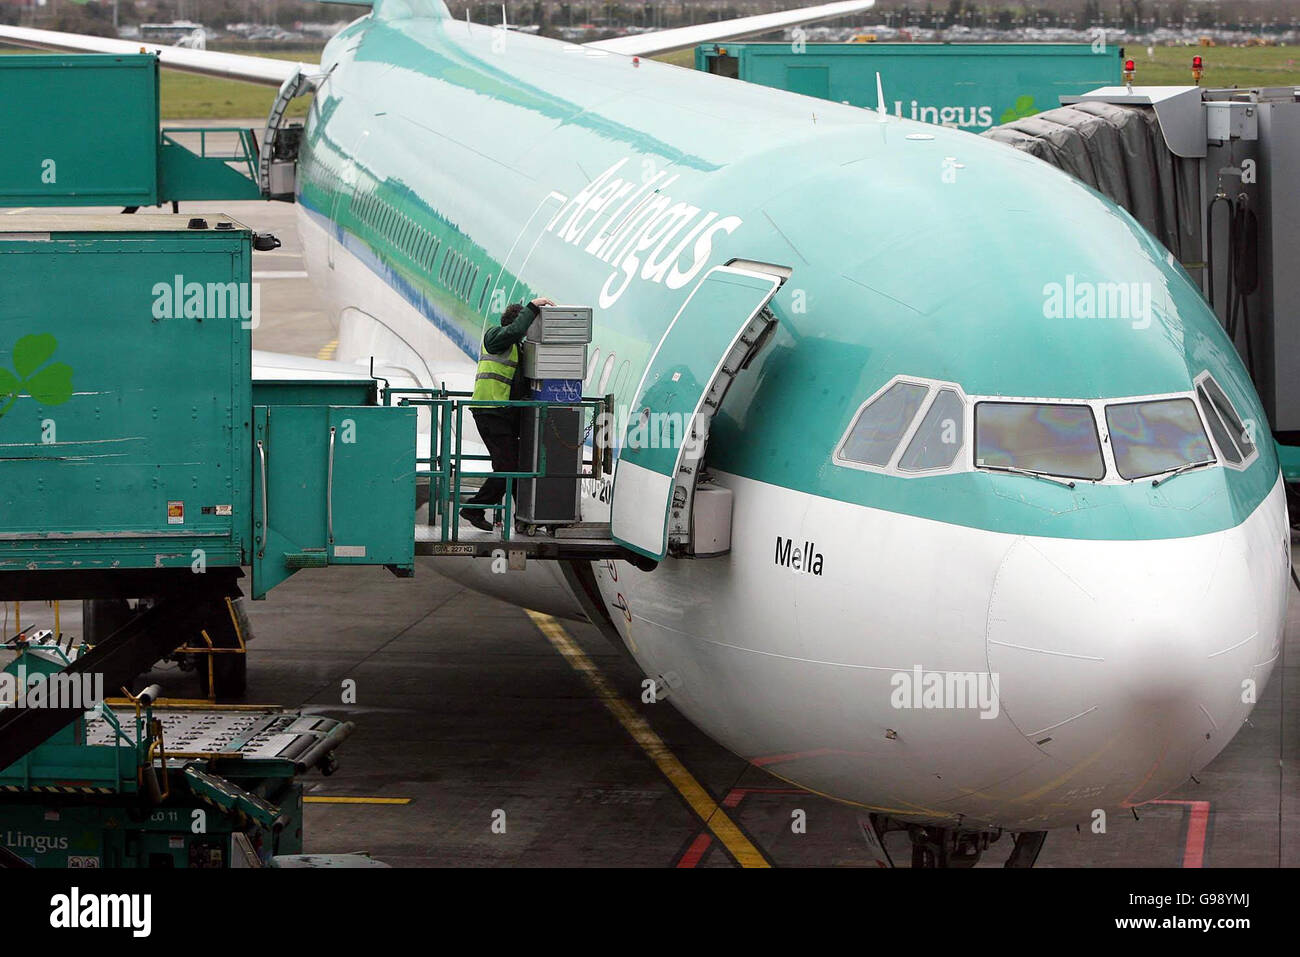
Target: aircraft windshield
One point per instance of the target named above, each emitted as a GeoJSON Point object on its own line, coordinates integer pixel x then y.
{"type": "Point", "coordinates": [1234, 439]}
{"type": "Point", "coordinates": [1052, 439]}
{"type": "Point", "coordinates": [916, 428]}
{"type": "Point", "coordinates": [938, 438]}
{"type": "Point", "coordinates": [881, 425]}
{"type": "Point", "coordinates": [1153, 437]}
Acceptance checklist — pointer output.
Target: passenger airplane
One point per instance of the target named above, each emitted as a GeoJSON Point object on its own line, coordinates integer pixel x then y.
{"type": "Point", "coordinates": [937, 472]}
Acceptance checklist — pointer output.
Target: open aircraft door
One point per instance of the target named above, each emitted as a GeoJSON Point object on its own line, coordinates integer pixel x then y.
{"type": "Point", "coordinates": [719, 328]}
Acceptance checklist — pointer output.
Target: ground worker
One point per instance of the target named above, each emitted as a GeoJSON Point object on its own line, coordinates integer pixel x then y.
{"type": "Point", "coordinates": [499, 377]}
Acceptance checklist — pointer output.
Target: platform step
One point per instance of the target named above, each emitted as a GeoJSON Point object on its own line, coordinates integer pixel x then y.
{"type": "Point", "coordinates": [589, 541]}
{"type": "Point", "coordinates": [306, 559]}
{"type": "Point", "coordinates": [584, 530]}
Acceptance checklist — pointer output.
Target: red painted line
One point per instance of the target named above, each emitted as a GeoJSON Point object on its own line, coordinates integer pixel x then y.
{"type": "Point", "coordinates": [1198, 824]}
{"type": "Point", "coordinates": [696, 851]}
{"type": "Point", "coordinates": [739, 794]}
{"type": "Point", "coordinates": [704, 840]}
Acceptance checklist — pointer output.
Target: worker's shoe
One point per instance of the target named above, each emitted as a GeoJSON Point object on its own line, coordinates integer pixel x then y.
{"type": "Point", "coordinates": [476, 517]}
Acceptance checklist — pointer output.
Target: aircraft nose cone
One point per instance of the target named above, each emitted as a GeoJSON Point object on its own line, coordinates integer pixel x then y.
{"type": "Point", "coordinates": [1130, 664]}
{"type": "Point", "coordinates": [1153, 664]}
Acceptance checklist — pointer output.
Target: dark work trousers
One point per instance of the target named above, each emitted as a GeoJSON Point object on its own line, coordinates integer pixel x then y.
{"type": "Point", "coordinates": [500, 434]}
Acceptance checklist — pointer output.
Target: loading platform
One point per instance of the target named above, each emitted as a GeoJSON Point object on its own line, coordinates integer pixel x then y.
{"type": "Point", "coordinates": [580, 542]}
{"type": "Point", "coordinates": [452, 473]}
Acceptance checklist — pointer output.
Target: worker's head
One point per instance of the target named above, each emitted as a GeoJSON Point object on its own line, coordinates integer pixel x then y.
{"type": "Point", "coordinates": [512, 310]}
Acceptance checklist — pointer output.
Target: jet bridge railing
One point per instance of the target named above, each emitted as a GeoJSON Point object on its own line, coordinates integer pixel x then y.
{"type": "Point", "coordinates": [444, 465]}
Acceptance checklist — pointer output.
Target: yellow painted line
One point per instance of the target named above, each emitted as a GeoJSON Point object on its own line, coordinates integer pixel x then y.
{"type": "Point", "coordinates": [327, 351]}
{"type": "Point", "coordinates": [1065, 776]}
{"type": "Point", "coordinates": [15, 212]}
{"type": "Point", "coordinates": [193, 704]}
{"type": "Point", "coordinates": [713, 816]}
{"type": "Point", "coordinates": [309, 799]}
{"type": "Point", "coordinates": [879, 808]}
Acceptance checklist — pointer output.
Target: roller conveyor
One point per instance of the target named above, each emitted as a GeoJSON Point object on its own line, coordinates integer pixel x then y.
{"type": "Point", "coordinates": [268, 734]}
{"type": "Point", "coordinates": [140, 783]}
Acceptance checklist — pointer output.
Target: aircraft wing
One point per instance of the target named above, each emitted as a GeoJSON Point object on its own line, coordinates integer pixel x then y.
{"type": "Point", "coordinates": [229, 66]}
{"type": "Point", "coordinates": [680, 38]}
{"type": "Point", "coordinates": [284, 365]}
{"type": "Point", "coordinates": [272, 72]}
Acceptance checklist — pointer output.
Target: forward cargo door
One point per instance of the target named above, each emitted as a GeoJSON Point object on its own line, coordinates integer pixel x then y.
{"type": "Point", "coordinates": [719, 328]}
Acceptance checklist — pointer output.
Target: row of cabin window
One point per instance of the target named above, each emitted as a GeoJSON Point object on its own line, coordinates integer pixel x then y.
{"type": "Point", "coordinates": [457, 274]}
{"type": "Point", "coordinates": [327, 177]}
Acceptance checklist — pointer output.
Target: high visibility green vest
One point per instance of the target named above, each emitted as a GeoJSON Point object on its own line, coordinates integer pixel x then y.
{"type": "Point", "coordinates": [495, 375]}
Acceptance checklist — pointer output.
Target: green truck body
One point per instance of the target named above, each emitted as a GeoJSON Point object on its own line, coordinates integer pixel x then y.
{"type": "Point", "coordinates": [125, 438]}
{"type": "Point", "coordinates": [90, 137]}
{"type": "Point", "coordinates": [127, 421]}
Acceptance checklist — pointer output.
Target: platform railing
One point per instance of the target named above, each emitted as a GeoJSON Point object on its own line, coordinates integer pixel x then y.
{"type": "Point", "coordinates": [246, 154]}
{"type": "Point", "coordinates": [443, 467]}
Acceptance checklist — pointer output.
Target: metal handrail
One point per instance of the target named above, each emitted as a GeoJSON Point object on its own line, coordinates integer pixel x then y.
{"type": "Point", "coordinates": [247, 155]}
{"type": "Point", "coordinates": [445, 468]}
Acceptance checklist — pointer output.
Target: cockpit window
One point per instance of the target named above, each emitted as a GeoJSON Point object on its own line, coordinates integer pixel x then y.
{"type": "Point", "coordinates": [1156, 436]}
{"type": "Point", "coordinates": [938, 439]}
{"type": "Point", "coordinates": [881, 424]}
{"type": "Point", "coordinates": [1054, 439]}
{"type": "Point", "coordinates": [1221, 437]}
{"type": "Point", "coordinates": [1217, 407]}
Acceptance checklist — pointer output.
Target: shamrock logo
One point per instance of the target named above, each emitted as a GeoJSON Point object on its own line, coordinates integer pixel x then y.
{"type": "Point", "coordinates": [47, 384]}
{"type": "Point", "coordinates": [1024, 107]}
